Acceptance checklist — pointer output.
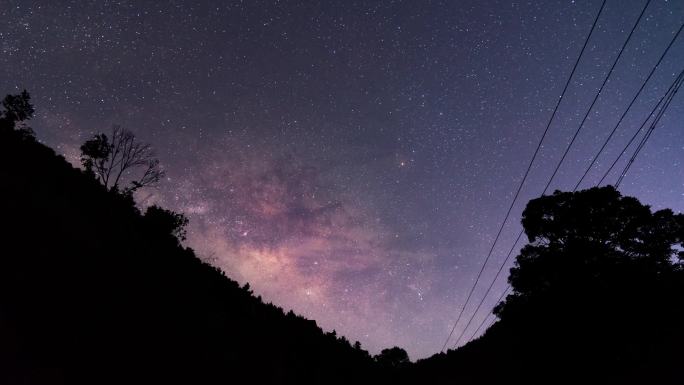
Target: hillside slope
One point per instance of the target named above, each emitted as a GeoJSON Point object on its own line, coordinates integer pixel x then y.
{"type": "Point", "coordinates": [93, 291]}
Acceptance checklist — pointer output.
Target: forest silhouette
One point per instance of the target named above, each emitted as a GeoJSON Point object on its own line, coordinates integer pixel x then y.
{"type": "Point", "coordinates": [97, 291]}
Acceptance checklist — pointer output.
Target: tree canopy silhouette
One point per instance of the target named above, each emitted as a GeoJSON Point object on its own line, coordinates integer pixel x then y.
{"type": "Point", "coordinates": [395, 357]}
{"type": "Point", "coordinates": [592, 239]}
{"type": "Point", "coordinates": [596, 298]}
{"type": "Point", "coordinates": [166, 222]}
{"type": "Point", "coordinates": [17, 109]}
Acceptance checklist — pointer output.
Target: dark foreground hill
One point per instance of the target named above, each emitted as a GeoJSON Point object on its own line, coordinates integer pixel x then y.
{"type": "Point", "coordinates": [92, 291]}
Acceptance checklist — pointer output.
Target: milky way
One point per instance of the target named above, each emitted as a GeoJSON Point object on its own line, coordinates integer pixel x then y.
{"type": "Point", "coordinates": [351, 160]}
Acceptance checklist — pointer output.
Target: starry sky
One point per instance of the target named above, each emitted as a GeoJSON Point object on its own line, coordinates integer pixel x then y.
{"type": "Point", "coordinates": [352, 160]}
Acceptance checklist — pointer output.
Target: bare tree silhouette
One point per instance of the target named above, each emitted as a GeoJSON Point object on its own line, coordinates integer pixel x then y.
{"type": "Point", "coordinates": [121, 157]}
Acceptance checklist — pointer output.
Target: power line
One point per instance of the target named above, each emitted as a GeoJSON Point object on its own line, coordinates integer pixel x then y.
{"type": "Point", "coordinates": [672, 90]}
{"type": "Point", "coordinates": [643, 85]}
{"type": "Point", "coordinates": [560, 162]}
{"type": "Point", "coordinates": [489, 317]}
{"type": "Point", "coordinates": [622, 49]}
{"type": "Point", "coordinates": [491, 323]}
{"type": "Point", "coordinates": [491, 285]}
{"type": "Point", "coordinates": [669, 94]}
{"type": "Point", "coordinates": [650, 130]}
{"type": "Point", "coordinates": [654, 124]}
{"type": "Point", "coordinates": [636, 133]}
{"type": "Point", "coordinates": [522, 182]}
{"type": "Point", "coordinates": [498, 301]}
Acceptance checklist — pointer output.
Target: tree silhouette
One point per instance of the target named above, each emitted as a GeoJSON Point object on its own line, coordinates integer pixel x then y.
{"type": "Point", "coordinates": [17, 109]}
{"type": "Point", "coordinates": [592, 239]}
{"type": "Point", "coordinates": [598, 285]}
{"type": "Point", "coordinates": [166, 222]}
{"type": "Point", "coordinates": [395, 357]}
{"type": "Point", "coordinates": [596, 299]}
{"type": "Point", "coordinates": [121, 156]}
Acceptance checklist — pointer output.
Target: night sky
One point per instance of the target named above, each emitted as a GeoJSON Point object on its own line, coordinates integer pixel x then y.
{"type": "Point", "coordinates": [352, 160]}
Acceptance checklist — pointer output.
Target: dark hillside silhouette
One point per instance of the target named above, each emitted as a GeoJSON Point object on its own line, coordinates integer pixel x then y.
{"type": "Point", "coordinates": [597, 298]}
{"type": "Point", "coordinates": [95, 292]}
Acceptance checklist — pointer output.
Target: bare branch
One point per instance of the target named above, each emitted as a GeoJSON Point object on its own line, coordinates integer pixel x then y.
{"type": "Point", "coordinates": [122, 158]}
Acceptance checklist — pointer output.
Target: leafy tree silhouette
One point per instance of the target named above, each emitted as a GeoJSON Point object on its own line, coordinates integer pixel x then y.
{"type": "Point", "coordinates": [110, 159]}
{"type": "Point", "coordinates": [393, 358]}
{"type": "Point", "coordinates": [596, 298]}
{"type": "Point", "coordinates": [17, 109]}
{"type": "Point", "coordinates": [592, 239]}
{"type": "Point", "coordinates": [166, 222]}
